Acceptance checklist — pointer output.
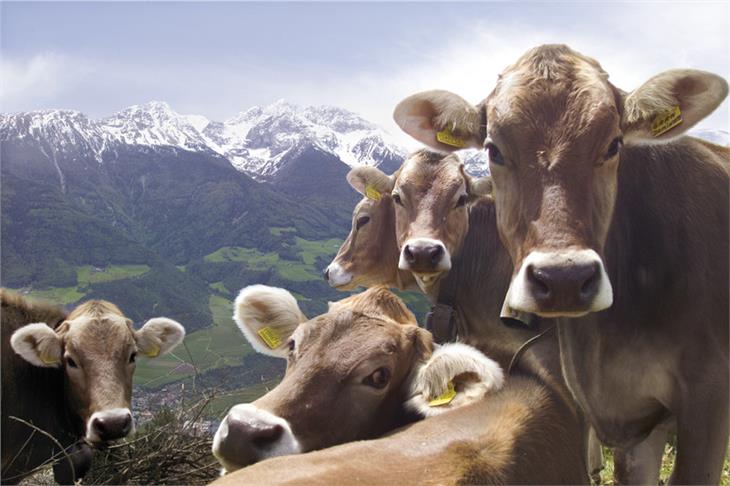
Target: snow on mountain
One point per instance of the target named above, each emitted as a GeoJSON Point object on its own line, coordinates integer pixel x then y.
{"type": "Point", "coordinates": [258, 141]}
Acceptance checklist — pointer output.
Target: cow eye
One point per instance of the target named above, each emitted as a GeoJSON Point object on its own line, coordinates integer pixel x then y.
{"type": "Point", "coordinates": [614, 148]}
{"type": "Point", "coordinates": [462, 200]}
{"type": "Point", "coordinates": [70, 362]}
{"type": "Point", "coordinates": [495, 156]}
{"type": "Point", "coordinates": [378, 379]}
{"type": "Point", "coordinates": [397, 199]}
{"type": "Point", "coordinates": [362, 221]}
{"type": "Point", "coordinates": [132, 357]}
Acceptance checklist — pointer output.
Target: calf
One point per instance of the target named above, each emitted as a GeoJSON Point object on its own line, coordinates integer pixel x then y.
{"type": "Point", "coordinates": [71, 377]}
{"type": "Point", "coordinates": [618, 226]}
{"type": "Point", "coordinates": [362, 369]}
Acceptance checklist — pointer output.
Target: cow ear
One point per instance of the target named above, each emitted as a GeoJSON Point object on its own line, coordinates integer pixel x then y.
{"type": "Point", "coordinates": [442, 120]}
{"type": "Point", "coordinates": [38, 344]}
{"type": "Point", "coordinates": [477, 187]}
{"type": "Point", "coordinates": [456, 375]}
{"type": "Point", "coordinates": [267, 316]}
{"type": "Point", "coordinates": [671, 103]}
{"type": "Point", "coordinates": [370, 182]}
{"type": "Point", "coordinates": [159, 336]}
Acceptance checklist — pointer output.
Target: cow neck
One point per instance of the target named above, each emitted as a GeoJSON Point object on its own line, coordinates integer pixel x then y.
{"type": "Point", "coordinates": [474, 289]}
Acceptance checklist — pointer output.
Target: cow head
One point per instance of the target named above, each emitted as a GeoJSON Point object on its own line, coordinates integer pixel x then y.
{"type": "Point", "coordinates": [352, 373]}
{"type": "Point", "coordinates": [554, 128]}
{"type": "Point", "coordinates": [431, 194]}
{"type": "Point", "coordinates": [369, 255]}
{"type": "Point", "coordinates": [97, 348]}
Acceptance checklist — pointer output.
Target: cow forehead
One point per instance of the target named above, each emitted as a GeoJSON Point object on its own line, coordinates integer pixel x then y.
{"type": "Point", "coordinates": [99, 335]}
{"type": "Point", "coordinates": [343, 338]}
{"type": "Point", "coordinates": [437, 174]}
{"type": "Point", "coordinates": [552, 88]}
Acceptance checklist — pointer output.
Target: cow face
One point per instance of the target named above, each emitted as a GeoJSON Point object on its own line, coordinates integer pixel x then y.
{"type": "Point", "coordinates": [554, 128]}
{"type": "Point", "coordinates": [97, 349]}
{"type": "Point", "coordinates": [349, 373]}
{"type": "Point", "coordinates": [430, 197]}
{"type": "Point", "coordinates": [369, 255]}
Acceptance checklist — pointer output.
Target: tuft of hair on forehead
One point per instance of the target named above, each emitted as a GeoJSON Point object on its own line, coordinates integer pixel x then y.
{"type": "Point", "coordinates": [95, 308]}
{"type": "Point", "coordinates": [377, 301]}
{"type": "Point", "coordinates": [427, 156]}
{"type": "Point", "coordinates": [555, 62]}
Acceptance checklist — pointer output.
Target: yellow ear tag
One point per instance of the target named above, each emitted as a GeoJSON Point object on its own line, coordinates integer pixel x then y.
{"type": "Point", "coordinates": [666, 121]}
{"type": "Point", "coordinates": [270, 337]}
{"type": "Point", "coordinates": [372, 193]}
{"type": "Point", "coordinates": [48, 360]}
{"type": "Point", "coordinates": [445, 397]}
{"type": "Point", "coordinates": [154, 352]}
{"type": "Point", "coordinates": [447, 137]}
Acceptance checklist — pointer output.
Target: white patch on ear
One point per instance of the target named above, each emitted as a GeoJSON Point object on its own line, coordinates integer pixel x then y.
{"type": "Point", "coordinates": [159, 336]}
{"type": "Point", "coordinates": [472, 373]}
{"type": "Point", "coordinates": [696, 93]}
{"type": "Point", "coordinates": [258, 307]}
{"type": "Point", "coordinates": [38, 344]}
{"type": "Point", "coordinates": [362, 177]}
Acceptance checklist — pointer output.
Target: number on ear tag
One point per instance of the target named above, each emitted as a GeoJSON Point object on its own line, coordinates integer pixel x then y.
{"type": "Point", "coordinates": [447, 137]}
{"type": "Point", "coordinates": [666, 121]}
{"type": "Point", "coordinates": [270, 337]}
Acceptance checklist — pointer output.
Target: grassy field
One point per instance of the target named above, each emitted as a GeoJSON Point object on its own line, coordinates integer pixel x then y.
{"type": "Point", "coordinates": [297, 271]}
{"type": "Point", "coordinates": [219, 345]}
{"type": "Point", "coordinates": [87, 274]}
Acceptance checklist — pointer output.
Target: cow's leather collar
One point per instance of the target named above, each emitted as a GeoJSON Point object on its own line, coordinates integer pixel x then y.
{"type": "Point", "coordinates": [442, 320]}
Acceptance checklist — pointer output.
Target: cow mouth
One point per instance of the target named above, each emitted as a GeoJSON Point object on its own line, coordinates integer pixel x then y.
{"type": "Point", "coordinates": [427, 280]}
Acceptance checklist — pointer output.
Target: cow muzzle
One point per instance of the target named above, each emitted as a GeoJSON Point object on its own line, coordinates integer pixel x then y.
{"type": "Point", "coordinates": [248, 435]}
{"type": "Point", "coordinates": [108, 425]}
{"type": "Point", "coordinates": [561, 284]}
{"type": "Point", "coordinates": [336, 276]}
{"type": "Point", "coordinates": [425, 258]}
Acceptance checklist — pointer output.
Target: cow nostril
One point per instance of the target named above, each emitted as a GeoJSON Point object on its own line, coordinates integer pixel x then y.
{"type": "Point", "coordinates": [100, 426]}
{"type": "Point", "coordinates": [436, 252]}
{"type": "Point", "coordinates": [591, 283]}
{"type": "Point", "coordinates": [408, 254]}
{"type": "Point", "coordinates": [266, 435]}
{"type": "Point", "coordinates": [326, 274]}
{"type": "Point", "coordinates": [539, 282]}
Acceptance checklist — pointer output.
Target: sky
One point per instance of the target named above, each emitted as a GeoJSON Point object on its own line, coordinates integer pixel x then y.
{"type": "Point", "coordinates": [218, 59]}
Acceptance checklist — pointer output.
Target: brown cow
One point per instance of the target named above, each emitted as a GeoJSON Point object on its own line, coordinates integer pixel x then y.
{"type": "Point", "coordinates": [359, 262]}
{"type": "Point", "coordinates": [70, 376]}
{"type": "Point", "coordinates": [356, 372]}
{"type": "Point", "coordinates": [337, 389]}
{"type": "Point", "coordinates": [603, 208]}
{"type": "Point", "coordinates": [437, 206]}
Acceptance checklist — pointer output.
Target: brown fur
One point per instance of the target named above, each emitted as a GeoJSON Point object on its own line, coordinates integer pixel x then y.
{"type": "Point", "coordinates": [491, 442]}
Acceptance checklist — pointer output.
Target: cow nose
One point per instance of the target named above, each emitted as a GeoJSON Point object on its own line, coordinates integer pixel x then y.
{"type": "Point", "coordinates": [111, 426]}
{"type": "Point", "coordinates": [424, 256]}
{"type": "Point", "coordinates": [326, 274]}
{"type": "Point", "coordinates": [244, 440]}
{"type": "Point", "coordinates": [564, 286]}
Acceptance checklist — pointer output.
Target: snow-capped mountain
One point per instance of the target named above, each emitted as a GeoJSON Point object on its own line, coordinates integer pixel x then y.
{"type": "Point", "coordinates": [258, 141]}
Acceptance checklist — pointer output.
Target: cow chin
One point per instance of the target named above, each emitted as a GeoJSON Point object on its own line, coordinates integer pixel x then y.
{"type": "Point", "coordinates": [249, 434]}
{"type": "Point", "coordinates": [569, 283]}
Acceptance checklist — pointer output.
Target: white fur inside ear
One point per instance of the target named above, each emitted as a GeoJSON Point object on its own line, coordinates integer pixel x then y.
{"type": "Point", "coordinates": [472, 373]}
{"type": "Point", "coordinates": [159, 336]}
{"type": "Point", "coordinates": [38, 344]}
{"type": "Point", "coordinates": [362, 177]}
{"type": "Point", "coordinates": [260, 306]}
